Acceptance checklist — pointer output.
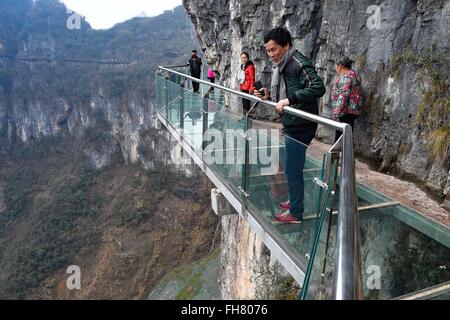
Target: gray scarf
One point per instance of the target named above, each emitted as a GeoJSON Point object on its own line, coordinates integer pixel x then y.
{"type": "Point", "coordinates": [278, 87]}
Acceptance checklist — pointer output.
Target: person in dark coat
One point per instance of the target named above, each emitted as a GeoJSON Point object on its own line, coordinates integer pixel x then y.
{"type": "Point", "coordinates": [195, 64]}
{"type": "Point", "coordinates": [295, 83]}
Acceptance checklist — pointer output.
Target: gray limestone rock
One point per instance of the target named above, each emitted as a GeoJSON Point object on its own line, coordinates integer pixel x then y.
{"type": "Point", "coordinates": [387, 55]}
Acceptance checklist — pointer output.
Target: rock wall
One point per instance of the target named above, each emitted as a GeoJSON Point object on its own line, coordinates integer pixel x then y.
{"type": "Point", "coordinates": [404, 65]}
{"type": "Point", "coordinates": [403, 61]}
{"type": "Point", "coordinates": [248, 271]}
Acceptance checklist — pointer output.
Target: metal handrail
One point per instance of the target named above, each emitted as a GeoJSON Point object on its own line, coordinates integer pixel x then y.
{"type": "Point", "coordinates": [305, 115]}
{"type": "Point", "coordinates": [178, 66]}
{"type": "Point", "coordinates": [348, 274]}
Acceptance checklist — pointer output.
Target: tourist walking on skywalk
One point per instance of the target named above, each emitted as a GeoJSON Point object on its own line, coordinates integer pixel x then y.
{"type": "Point", "coordinates": [212, 79]}
{"type": "Point", "coordinates": [346, 97]}
{"type": "Point", "coordinates": [211, 75]}
{"type": "Point", "coordinates": [195, 65]}
{"type": "Point", "coordinates": [246, 79]}
{"type": "Point", "coordinates": [295, 83]}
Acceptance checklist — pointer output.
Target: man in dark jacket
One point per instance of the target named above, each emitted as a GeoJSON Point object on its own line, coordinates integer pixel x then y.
{"type": "Point", "coordinates": [295, 83]}
{"type": "Point", "coordinates": [195, 64]}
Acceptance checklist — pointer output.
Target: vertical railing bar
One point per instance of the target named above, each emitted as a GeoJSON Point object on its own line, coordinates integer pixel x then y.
{"type": "Point", "coordinates": [334, 161]}
{"type": "Point", "coordinates": [348, 273]}
{"type": "Point", "coordinates": [205, 122]}
{"type": "Point", "coordinates": [246, 165]}
{"type": "Point", "coordinates": [166, 94]}
{"type": "Point", "coordinates": [181, 92]}
{"type": "Point", "coordinates": [306, 281]}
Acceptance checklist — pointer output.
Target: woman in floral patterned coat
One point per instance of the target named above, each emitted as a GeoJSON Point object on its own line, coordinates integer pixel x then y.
{"type": "Point", "coordinates": [346, 98]}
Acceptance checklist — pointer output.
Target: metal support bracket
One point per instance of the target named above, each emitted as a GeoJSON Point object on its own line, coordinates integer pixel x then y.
{"type": "Point", "coordinates": [246, 136]}
{"type": "Point", "coordinates": [245, 194]}
{"type": "Point", "coordinates": [320, 183]}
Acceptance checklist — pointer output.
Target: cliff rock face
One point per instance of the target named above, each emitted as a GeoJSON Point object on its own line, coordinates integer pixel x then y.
{"type": "Point", "coordinates": [241, 250]}
{"type": "Point", "coordinates": [248, 270]}
{"type": "Point", "coordinates": [403, 61]}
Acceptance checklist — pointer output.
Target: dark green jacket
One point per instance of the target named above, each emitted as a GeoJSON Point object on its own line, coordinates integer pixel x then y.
{"type": "Point", "coordinates": [304, 88]}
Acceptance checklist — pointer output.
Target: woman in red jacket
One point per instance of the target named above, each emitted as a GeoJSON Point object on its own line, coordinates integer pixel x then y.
{"type": "Point", "coordinates": [247, 79]}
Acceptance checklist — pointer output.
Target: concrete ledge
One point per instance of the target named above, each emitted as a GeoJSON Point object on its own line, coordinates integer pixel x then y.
{"type": "Point", "coordinates": [158, 124]}
{"type": "Point", "coordinates": [220, 204]}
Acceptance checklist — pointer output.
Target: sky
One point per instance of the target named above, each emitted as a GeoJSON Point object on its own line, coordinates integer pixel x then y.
{"type": "Point", "coordinates": [103, 14]}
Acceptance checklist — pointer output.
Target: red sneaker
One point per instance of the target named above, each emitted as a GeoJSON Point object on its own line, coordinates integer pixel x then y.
{"type": "Point", "coordinates": [287, 219]}
{"type": "Point", "coordinates": [281, 215]}
{"type": "Point", "coordinates": [285, 205]}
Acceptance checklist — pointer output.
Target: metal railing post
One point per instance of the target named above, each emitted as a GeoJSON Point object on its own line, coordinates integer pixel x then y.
{"type": "Point", "coordinates": [347, 272]}
{"type": "Point", "coordinates": [157, 92]}
{"type": "Point", "coordinates": [181, 93]}
{"type": "Point", "coordinates": [166, 97]}
{"type": "Point", "coordinates": [205, 121]}
{"type": "Point", "coordinates": [246, 166]}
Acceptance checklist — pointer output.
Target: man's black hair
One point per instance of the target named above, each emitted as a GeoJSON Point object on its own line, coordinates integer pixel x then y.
{"type": "Point", "coordinates": [194, 51]}
{"type": "Point", "coordinates": [279, 35]}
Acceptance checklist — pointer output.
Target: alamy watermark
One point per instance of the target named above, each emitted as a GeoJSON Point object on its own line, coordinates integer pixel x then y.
{"type": "Point", "coordinates": [73, 22]}
{"type": "Point", "coordinates": [374, 20]}
{"type": "Point", "coordinates": [228, 148]}
{"type": "Point", "coordinates": [374, 280]}
{"type": "Point", "coordinates": [74, 280]}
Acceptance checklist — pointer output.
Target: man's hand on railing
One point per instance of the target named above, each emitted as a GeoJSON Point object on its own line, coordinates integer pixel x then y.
{"type": "Point", "coordinates": [281, 104]}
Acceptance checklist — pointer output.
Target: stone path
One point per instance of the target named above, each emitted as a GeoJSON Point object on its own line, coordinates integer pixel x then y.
{"type": "Point", "coordinates": [407, 193]}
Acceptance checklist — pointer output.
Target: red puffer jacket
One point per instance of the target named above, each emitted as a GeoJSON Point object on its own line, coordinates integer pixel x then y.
{"type": "Point", "coordinates": [249, 82]}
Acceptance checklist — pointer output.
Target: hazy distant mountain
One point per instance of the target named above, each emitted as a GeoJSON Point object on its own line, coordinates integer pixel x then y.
{"type": "Point", "coordinates": [83, 175]}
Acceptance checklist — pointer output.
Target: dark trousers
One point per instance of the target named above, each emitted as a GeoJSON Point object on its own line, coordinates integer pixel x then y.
{"type": "Point", "coordinates": [296, 145]}
{"type": "Point", "coordinates": [196, 85]}
{"type": "Point", "coordinates": [245, 103]}
{"type": "Point", "coordinates": [211, 89]}
{"type": "Point", "coordinates": [348, 118]}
